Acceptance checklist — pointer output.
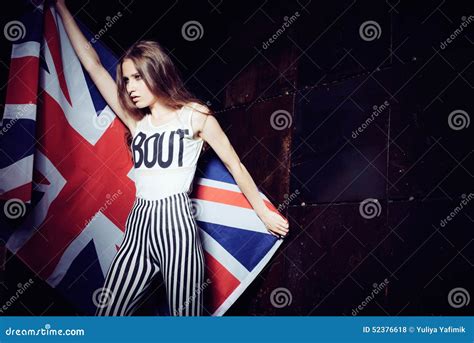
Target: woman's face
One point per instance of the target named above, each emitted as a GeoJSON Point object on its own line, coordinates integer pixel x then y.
{"type": "Point", "coordinates": [137, 90]}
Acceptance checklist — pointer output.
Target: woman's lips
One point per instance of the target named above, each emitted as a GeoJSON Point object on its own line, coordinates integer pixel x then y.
{"type": "Point", "coordinates": [135, 98]}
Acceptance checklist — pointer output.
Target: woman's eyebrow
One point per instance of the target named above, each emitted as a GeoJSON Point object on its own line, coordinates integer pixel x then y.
{"type": "Point", "coordinates": [133, 75]}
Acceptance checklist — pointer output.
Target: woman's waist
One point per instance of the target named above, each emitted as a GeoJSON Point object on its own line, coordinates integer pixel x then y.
{"type": "Point", "coordinates": [155, 170]}
{"type": "Point", "coordinates": [162, 197]}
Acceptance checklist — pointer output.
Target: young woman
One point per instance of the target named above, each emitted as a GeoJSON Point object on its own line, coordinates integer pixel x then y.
{"type": "Point", "coordinates": [168, 128]}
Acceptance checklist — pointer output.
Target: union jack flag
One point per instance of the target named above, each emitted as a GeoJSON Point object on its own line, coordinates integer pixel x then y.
{"type": "Point", "coordinates": [66, 178]}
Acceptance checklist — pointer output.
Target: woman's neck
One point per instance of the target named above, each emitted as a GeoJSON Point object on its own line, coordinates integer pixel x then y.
{"type": "Point", "coordinates": [161, 111]}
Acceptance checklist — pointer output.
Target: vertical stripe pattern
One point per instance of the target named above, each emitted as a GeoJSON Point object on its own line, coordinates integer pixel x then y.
{"type": "Point", "coordinates": [161, 236]}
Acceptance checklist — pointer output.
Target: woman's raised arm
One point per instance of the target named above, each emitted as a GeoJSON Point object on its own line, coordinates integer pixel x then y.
{"type": "Point", "coordinates": [91, 62]}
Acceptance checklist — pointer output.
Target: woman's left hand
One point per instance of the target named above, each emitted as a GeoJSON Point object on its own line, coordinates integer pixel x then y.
{"type": "Point", "coordinates": [275, 223]}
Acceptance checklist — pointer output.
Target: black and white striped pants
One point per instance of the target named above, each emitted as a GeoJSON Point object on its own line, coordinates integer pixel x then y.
{"type": "Point", "coordinates": [161, 236]}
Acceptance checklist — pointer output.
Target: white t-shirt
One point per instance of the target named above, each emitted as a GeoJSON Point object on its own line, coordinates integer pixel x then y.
{"type": "Point", "coordinates": [165, 156]}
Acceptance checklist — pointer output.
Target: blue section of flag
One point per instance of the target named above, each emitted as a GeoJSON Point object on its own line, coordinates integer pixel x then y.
{"type": "Point", "coordinates": [83, 277]}
{"type": "Point", "coordinates": [213, 168]}
{"type": "Point", "coordinates": [248, 247]}
{"type": "Point", "coordinates": [13, 148]}
{"type": "Point", "coordinates": [108, 60]}
{"type": "Point", "coordinates": [32, 29]}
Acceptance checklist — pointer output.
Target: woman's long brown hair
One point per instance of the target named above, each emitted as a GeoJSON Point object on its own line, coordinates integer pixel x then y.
{"type": "Point", "coordinates": [159, 74]}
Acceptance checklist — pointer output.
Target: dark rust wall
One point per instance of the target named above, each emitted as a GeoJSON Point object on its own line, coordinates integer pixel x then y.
{"type": "Point", "coordinates": [409, 159]}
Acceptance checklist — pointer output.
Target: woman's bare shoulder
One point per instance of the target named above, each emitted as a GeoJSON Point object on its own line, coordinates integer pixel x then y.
{"type": "Point", "coordinates": [197, 107]}
{"type": "Point", "coordinates": [199, 114]}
